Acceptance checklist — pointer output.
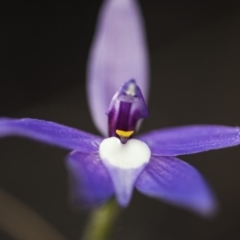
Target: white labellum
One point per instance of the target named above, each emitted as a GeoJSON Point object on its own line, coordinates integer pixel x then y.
{"type": "Point", "coordinates": [124, 163]}
{"type": "Point", "coordinates": [132, 154]}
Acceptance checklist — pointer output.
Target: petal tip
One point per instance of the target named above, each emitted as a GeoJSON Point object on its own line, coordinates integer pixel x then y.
{"type": "Point", "coordinates": [208, 209]}
{"type": "Point", "coordinates": [123, 201]}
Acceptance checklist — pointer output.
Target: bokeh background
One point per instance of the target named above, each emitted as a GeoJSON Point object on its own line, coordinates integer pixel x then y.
{"type": "Point", "coordinates": [195, 79]}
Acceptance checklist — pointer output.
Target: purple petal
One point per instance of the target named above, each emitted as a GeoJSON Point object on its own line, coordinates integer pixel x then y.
{"type": "Point", "coordinates": [176, 182]}
{"type": "Point", "coordinates": [49, 132]}
{"type": "Point", "coordinates": [90, 183]}
{"type": "Point", "coordinates": [118, 54]}
{"type": "Point", "coordinates": [191, 139]}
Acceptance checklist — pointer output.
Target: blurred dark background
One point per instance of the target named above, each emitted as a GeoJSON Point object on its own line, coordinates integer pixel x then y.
{"type": "Point", "coordinates": [195, 78]}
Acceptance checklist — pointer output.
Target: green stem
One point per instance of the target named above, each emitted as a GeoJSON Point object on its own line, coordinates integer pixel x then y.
{"type": "Point", "coordinates": [101, 222]}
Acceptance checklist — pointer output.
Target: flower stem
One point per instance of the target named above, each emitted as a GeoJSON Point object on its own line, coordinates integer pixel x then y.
{"type": "Point", "coordinates": [101, 222]}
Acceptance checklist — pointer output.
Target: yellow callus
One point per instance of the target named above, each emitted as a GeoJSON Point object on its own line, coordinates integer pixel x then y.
{"type": "Point", "coordinates": [124, 134]}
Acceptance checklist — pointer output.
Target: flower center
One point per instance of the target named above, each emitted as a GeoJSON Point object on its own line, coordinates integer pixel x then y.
{"type": "Point", "coordinates": [126, 109]}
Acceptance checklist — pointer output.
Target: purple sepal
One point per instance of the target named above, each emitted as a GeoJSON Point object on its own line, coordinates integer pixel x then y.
{"type": "Point", "coordinates": [176, 182]}
{"type": "Point", "coordinates": [126, 108]}
{"type": "Point", "coordinates": [49, 132]}
{"type": "Point", "coordinates": [90, 183]}
{"type": "Point", "coordinates": [118, 53]}
{"type": "Point", "coordinates": [190, 139]}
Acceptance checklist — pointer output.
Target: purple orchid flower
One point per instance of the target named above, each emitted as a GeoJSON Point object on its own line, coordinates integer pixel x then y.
{"type": "Point", "coordinates": [100, 167]}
